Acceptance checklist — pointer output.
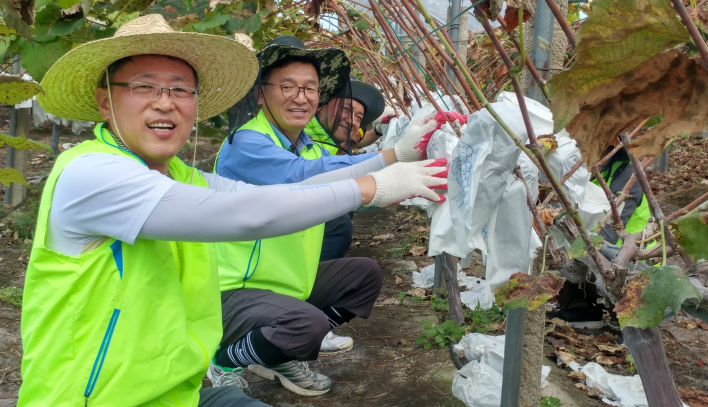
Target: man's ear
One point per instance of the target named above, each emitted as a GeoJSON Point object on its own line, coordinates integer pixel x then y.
{"type": "Point", "coordinates": [101, 96]}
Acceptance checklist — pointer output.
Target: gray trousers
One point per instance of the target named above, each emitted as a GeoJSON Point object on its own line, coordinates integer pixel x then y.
{"type": "Point", "coordinates": [297, 327]}
{"type": "Point", "coordinates": [227, 396]}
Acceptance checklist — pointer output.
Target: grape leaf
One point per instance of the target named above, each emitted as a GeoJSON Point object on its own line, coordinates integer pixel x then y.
{"type": "Point", "coordinates": [9, 175]}
{"type": "Point", "coordinates": [361, 25]}
{"type": "Point", "coordinates": [19, 15]}
{"type": "Point", "coordinates": [22, 143]}
{"type": "Point", "coordinates": [38, 58]}
{"type": "Point", "coordinates": [14, 89]}
{"type": "Point", "coordinates": [526, 291]}
{"type": "Point", "coordinates": [615, 39]}
{"type": "Point", "coordinates": [692, 234]}
{"type": "Point", "coordinates": [650, 292]}
{"type": "Point", "coordinates": [577, 249]}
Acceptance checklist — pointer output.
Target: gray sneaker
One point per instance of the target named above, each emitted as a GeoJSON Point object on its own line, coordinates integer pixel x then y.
{"type": "Point", "coordinates": [296, 377]}
{"type": "Point", "coordinates": [224, 376]}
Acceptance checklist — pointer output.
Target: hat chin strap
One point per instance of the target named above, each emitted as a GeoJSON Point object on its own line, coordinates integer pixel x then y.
{"type": "Point", "coordinates": [113, 115]}
{"type": "Point", "coordinates": [115, 123]}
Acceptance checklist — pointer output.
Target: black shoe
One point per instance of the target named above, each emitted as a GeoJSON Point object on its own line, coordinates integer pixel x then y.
{"type": "Point", "coordinates": [588, 318]}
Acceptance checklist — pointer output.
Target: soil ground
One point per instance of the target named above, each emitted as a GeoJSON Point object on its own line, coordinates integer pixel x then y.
{"type": "Point", "coordinates": [386, 367]}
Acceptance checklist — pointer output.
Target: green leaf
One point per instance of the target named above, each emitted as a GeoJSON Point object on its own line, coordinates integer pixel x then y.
{"type": "Point", "coordinates": [427, 346]}
{"type": "Point", "coordinates": [99, 32]}
{"type": "Point", "coordinates": [44, 38]}
{"type": "Point", "coordinates": [438, 339]}
{"type": "Point", "coordinates": [14, 89]}
{"type": "Point", "coordinates": [543, 44]}
{"type": "Point", "coordinates": [67, 3]}
{"type": "Point", "coordinates": [48, 14]}
{"type": "Point", "coordinates": [253, 24]}
{"type": "Point", "coordinates": [616, 38]}
{"type": "Point", "coordinates": [208, 23]}
{"type": "Point", "coordinates": [692, 234]}
{"type": "Point", "coordinates": [13, 48]}
{"type": "Point", "coordinates": [353, 13]}
{"type": "Point", "coordinates": [4, 44]}
{"type": "Point", "coordinates": [39, 58]}
{"type": "Point", "coordinates": [13, 20]}
{"type": "Point", "coordinates": [9, 175]}
{"type": "Point", "coordinates": [654, 121]}
{"type": "Point", "coordinates": [6, 31]}
{"type": "Point", "coordinates": [650, 292]}
{"type": "Point", "coordinates": [60, 28]}
{"type": "Point", "coordinates": [22, 143]}
{"type": "Point", "coordinates": [577, 249]}
{"type": "Point", "coordinates": [526, 291]}
{"type": "Point", "coordinates": [361, 25]}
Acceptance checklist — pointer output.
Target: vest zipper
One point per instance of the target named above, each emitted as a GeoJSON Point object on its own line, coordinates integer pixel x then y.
{"type": "Point", "coordinates": [180, 255]}
{"type": "Point", "coordinates": [101, 356]}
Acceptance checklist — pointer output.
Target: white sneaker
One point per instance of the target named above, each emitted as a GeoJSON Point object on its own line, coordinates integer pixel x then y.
{"type": "Point", "coordinates": [296, 377]}
{"type": "Point", "coordinates": [224, 376]}
{"type": "Point", "coordinates": [335, 345]}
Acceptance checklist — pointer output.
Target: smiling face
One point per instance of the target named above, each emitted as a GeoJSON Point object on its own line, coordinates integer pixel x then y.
{"type": "Point", "coordinates": [154, 130]}
{"type": "Point", "coordinates": [289, 115]}
{"type": "Point", "coordinates": [350, 121]}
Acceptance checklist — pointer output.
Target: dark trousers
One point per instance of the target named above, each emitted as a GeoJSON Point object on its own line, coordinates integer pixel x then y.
{"type": "Point", "coordinates": [227, 396]}
{"type": "Point", "coordinates": [337, 238]}
{"type": "Point", "coordinates": [297, 327]}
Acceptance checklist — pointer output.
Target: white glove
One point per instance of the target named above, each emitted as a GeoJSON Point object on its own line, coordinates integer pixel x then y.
{"type": "Point", "coordinates": [412, 146]}
{"type": "Point", "coordinates": [384, 119]}
{"type": "Point", "coordinates": [401, 181]}
{"type": "Point", "coordinates": [386, 116]}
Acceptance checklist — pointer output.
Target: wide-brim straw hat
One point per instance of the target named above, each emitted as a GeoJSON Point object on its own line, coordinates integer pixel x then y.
{"type": "Point", "coordinates": [333, 63]}
{"type": "Point", "coordinates": [370, 97]}
{"type": "Point", "coordinates": [226, 68]}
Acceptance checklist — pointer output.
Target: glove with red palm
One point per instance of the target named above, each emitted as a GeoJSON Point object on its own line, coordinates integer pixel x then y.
{"type": "Point", "coordinates": [415, 139]}
{"type": "Point", "coordinates": [401, 181]}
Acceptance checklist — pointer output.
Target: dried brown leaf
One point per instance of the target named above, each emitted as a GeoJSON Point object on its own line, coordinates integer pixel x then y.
{"type": "Point", "coordinates": [669, 83]}
{"type": "Point", "coordinates": [526, 291]}
{"type": "Point", "coordinates": [604, 360]}
{"type": "Point", "coordinates": [577, 375]}
{"type": "Point", "coordinates": [417, 250]}
{"type": "Point", "coordinates": [382, 237]}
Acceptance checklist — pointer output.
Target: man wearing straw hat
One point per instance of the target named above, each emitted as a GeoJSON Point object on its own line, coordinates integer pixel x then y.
{"type": "Point", "coordinates": [121, 301]}
{"type": "Point", "coordinates": [279, 302]}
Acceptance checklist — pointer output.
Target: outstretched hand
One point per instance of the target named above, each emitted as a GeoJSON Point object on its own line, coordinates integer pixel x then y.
{"type": "Point", "coordinates": [401, 181]}
{"type": "Point", "coordinates": [415, 139]}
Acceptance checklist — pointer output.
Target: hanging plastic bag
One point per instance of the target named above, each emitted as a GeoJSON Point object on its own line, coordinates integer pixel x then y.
{"type": "Point", "coordinates": [479, 172]}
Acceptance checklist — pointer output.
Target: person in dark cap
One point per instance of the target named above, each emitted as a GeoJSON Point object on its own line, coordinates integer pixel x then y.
{"type": "Point", "coordinates": [365, 105]}
{"type": "Point", "coordinates": [279, 302]}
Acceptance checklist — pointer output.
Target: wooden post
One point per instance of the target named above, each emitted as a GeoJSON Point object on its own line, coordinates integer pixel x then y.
{"type": "Point", "coordinates": [19, 191]}
{"type": "Point", "coordinates": [647, 348]}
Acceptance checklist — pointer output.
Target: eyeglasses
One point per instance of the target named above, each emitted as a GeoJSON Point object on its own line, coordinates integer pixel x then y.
{"type": "Point", "coordinates": [291, 91]}
{"type": "Point", "coordinates": [181, 95]}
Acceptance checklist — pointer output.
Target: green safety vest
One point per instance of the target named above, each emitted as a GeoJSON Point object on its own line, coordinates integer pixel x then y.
{"type": "Point", "coordinates": [285, 264]}
{"type": "Point", "coordinates": [639, 219]}
{"type": "Point", "coordinates": [319, 135]}
{"type": "Point", "coordinates": [121, 325]}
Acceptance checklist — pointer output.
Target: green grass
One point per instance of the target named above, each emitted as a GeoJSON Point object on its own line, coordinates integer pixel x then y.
{"type": "Point", "coordinates": [11, 295]}
{"type": "Point", "coordinates": [549, 401]}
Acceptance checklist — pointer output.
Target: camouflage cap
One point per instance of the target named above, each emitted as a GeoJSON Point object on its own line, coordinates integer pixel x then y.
{"type": "Point", "coordinates": [334, 65]}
